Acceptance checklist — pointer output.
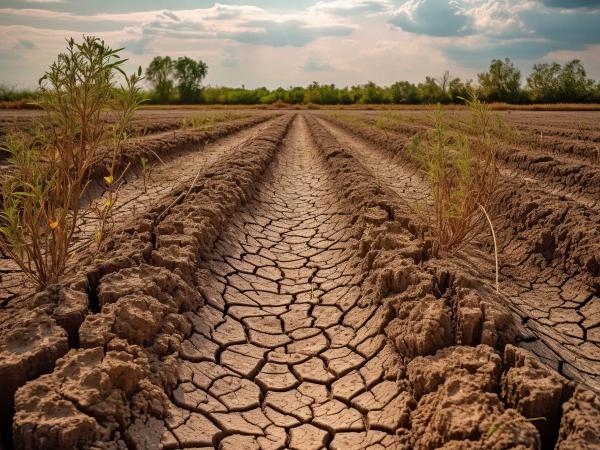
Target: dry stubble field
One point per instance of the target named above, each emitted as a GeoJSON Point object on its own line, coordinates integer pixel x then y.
{"type": "Point", "coordinates": [268, 285]}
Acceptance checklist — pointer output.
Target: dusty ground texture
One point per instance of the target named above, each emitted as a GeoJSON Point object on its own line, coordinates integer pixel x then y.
{"type": "Point", "coordinates": [290, 301]}
{"type": "Point", "coordinates": [173, 156]}
{"type": "Point", "coordinates": [549, 237]}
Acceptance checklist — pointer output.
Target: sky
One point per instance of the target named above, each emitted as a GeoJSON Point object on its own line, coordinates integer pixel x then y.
{"type": "Point", "coordinates": [283, 43]}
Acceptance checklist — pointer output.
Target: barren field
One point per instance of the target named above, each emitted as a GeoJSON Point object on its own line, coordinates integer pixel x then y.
{"type": "Point", "coordinates": [268, 285]}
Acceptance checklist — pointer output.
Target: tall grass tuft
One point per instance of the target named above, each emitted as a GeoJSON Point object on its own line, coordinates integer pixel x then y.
{"type": "Point", "coordinates": [49, 171]}
{"type": "Point", "coordinates": [462, 173]}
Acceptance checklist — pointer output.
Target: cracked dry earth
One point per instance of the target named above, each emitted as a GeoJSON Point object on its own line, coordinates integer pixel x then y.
{"type": "Point", "coordinates": [136, 195]}
{"type": "Point", "coordinates": [559, 308]}
{"type": "Point", "coordinates": [289, 302]}
{"type": "Point", "coordinates": [282, 355]}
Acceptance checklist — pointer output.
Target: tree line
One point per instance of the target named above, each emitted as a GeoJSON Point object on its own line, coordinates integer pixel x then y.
{"type": "Point", "coordinates": [180, 81]}
{"type": "Point", "coordinates": [502, 82]}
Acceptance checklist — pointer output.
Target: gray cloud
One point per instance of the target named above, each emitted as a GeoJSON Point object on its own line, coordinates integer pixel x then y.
{"type": "Point", "coordinates": [171, 15]}
{"type": "Point", "coordinates": [291, 32]}
{"type": "Point", "coordinates": [504, 27]}
{"type": "Point", "coordinates": [231, 60]}
{"type": "Point", "coordinates": [572, 30]}
{"type": "Point", "coordinates": [570, 4]}
{"type": "Point", "coordinates": [348, 8]}
{"type": "Point", "coordinates": [433, 17]}
{"type": "Point", "coordinates": [24, 44]}
{"type": "Point", "coordinates": [137, 46]}
{"type": "Point", "coordinates": [479, 57]}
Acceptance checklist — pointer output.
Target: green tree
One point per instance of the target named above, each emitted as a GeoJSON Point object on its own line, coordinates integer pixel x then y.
{"type": "Point", "coordinates": [457, 90]}
{"type": "Point", "coordinates": [555, 83]}
{"type": "Point", "coordinates": [345, 96]}
{"type": "Point", "coordinates": [372, 94]}
{"type": "Point", "coordinates": [404, 92]}
{"type": "Point", "coordinates": [574, 86]}
{"type": "Point", "coordinates": [189, 75]}
{"type": "Point", "coordinates": [502, 83]}
{"type": "Point", "coordinates": [430, 91]}
{"type": "Point", "coordinates": [160, 74]}
{"type": "Point", "coordinates": [295, 95]}
{"type": "Point", "coordinates": [543, 82]}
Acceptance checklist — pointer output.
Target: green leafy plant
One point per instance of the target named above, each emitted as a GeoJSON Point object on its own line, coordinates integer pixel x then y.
{"type": "Point", "coordinates": [49, 171]}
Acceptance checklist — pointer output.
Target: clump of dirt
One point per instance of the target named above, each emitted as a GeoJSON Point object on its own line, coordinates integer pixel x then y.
{"type": "Point", "coordinates": [427, 373]}
{"type": "Point", "coordinates": [579, 424]}
{"type": "Point", "coordinates": [91, 399]}
{"type": "Point", "coordinates": [458, 403]}
{"type": "Point", "coordinates": [30, 342]}
{"type": "Point", "coordinates": [480, 320]}
{"type": "Point", "coordinates": [141, 305]}
{"type": "Point", "coordinates": [535, 391]}
{"type": "Point", "coordinates": [420, 327]}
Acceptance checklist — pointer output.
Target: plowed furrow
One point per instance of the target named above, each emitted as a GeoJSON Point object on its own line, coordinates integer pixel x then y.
{"type": "Point", "coordinates": [282, 355]}
{"type": "Point", "coordinates": [139, 190]}
{"type": "Point", "coordinates": [556, 300]}
{"type": "Point", "coordinates": [538, 162]}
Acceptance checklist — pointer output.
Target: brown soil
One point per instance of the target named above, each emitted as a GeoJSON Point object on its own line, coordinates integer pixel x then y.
{"type": "Point", "coordinates": [174, 157]}
{"type": "Point", "coordinates": [549, 253]}
{"type": "Point", "coordinates": [290, 301]}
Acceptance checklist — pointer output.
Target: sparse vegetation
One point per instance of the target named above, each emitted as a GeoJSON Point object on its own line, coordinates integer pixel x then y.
{"type": "Point", "coordinates": [461, 172]}
{"type": "Point", "coordinates": [206, 122]}
{"type": "Point", "coordinates": [49, 171]}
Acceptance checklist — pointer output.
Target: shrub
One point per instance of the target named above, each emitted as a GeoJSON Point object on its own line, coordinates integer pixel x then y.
{"type": "Point", "coordinates": [49, 170]}
{"type": "Point", "coordinates": [462, 174]}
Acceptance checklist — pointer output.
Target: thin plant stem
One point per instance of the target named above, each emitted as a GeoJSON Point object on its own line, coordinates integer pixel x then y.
{"type": "Point", "coordinates": [489, 221]}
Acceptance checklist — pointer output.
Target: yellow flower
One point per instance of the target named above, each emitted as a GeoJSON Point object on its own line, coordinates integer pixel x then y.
{"type": "Point", "coordinates": [108, 180]}
{"type": "Point", "coordinates": [108, 203]}
{"type": "Point", "coordinates": [53, 224]}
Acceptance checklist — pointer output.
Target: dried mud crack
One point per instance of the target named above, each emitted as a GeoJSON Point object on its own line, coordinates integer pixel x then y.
{"type": "Point", "coordinates": [549, 248]}
{"type": "Point", "coordinates": [281, 355]}
{"type": "Point", "coordinates": [287, 302]}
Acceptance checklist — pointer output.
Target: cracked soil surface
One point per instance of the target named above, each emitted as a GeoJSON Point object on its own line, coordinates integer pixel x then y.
{"type": "Point", "coordinates": [282, 354]}
{"type": "Point", "coordinates": [289, 301]}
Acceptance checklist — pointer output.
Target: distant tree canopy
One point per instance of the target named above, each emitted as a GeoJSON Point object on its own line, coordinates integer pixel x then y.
{"type": "Point", "coordinates": [552, 83]}
{"type": "Point", "coordinates": [163, 72]}
{"type": "Point", "coordinates": [180, 81]}
{"type": "Point", "coordinates": [502, 83]}
{"type": "Point", "coordinates": [189, 75]}
{"type": "Point", "coordinates": [160, 74]}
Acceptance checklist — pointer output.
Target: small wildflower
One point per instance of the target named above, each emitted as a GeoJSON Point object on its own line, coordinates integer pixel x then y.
{"type": "Point", "coordinates": [53, 224]}
{"type": "Point", "coordinates": [108, 203]}
{"type": "Point", "coordinates": [109, 180]}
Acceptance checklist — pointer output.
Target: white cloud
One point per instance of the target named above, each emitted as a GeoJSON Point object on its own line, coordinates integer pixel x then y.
{"type": "Point", "coordinates": [351, 7]}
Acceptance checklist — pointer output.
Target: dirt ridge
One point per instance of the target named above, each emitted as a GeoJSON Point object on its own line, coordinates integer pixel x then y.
{"type": "Point", "coordinates": [136, 332]}
{"type": "Point", "coordinates": [459, 310]}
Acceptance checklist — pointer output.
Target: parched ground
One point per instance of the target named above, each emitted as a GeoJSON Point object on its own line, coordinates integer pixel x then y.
{"type": "Point", "coordinates": [282, 337]}
{"type": "Point", "coordinates": [273, 289]}
{"type": "Point", "coordinates": [547, 218]}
